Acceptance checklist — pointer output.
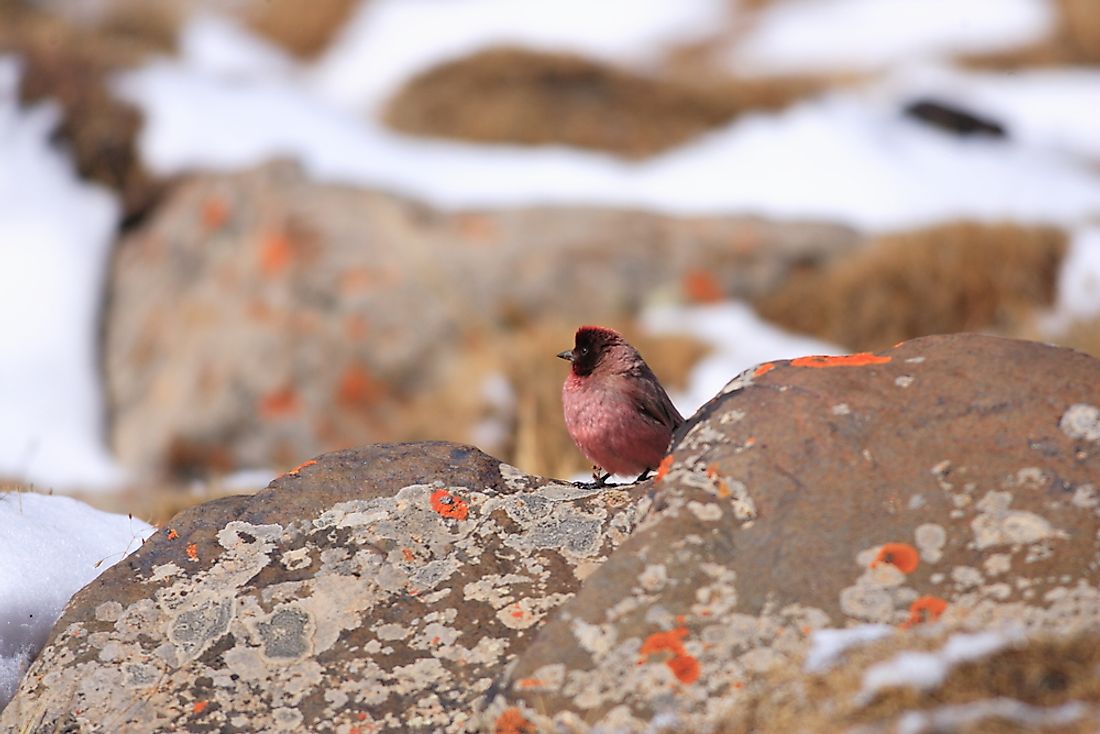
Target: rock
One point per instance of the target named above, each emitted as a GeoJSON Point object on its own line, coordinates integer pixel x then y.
{"type": "Point", "coordinates": [383, 589]}
{"type": "Point", "coordinates": [940, 682]}
{"type": "Point", "coordinates": [260, 318]}
{"type": "Point", "coordinates": [953, 119]}
{"type": "Point", "coordinates": [950, 478]}
{"type": "Point", "coordinates": [71, 65]}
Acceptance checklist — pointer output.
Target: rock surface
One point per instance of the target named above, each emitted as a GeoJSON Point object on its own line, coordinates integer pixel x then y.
{"type": "Point", "coordinates": [947, 481]}
{"type": "Point", "coordinates": [261, 318]}
{"type": "Point", "coordinates": [950, 477]}
{"type": "Point", "coordinates": [375, 590]}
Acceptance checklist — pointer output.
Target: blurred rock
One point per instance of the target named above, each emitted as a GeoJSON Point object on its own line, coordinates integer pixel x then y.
{"type": "Point", "coordinates": [951, 478]}
{"type": "Point", "coordinates": [71, 65]}
{"type": "Point", "coordinates": [953, 119]}
{"type": "Point", "coordinates": [260, 318]}
{"type": "Point", "coordinates": [382, 590]}
{"type": "Point", "coordinates": [962, 276]}
{"type": "Point", "coordinates": [513, 95]}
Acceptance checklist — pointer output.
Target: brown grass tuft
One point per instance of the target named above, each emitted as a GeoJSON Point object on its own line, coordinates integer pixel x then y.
{"type": "Point", "coordinates": [955, 277]}
{"type": "Point", "coordinates": [1075, 40]}
{"type": "Point", "coordinates": [304, 29]}
{"type": "Point", "coordinates": [1045, 672]}
{"type": "Point", "coordinates": [519, 96]}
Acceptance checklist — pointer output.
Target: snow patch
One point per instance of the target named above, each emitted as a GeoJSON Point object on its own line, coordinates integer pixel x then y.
{"type": "Point", "coordinates": [827, 645]}
{"type": "Point", "coordinates": [50, 547]}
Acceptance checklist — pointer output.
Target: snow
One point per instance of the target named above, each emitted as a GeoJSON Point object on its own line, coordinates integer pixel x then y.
{"type": "Point", "coordinates": [813, 35]}
{"type": "Point", "coordinates": [847, 156]}
{"type": "Point", "coordinates": [1079, 277]}
{"type": "Point", "coordinates": [926, 670]}
{"type": "Point", "coordinates": [55, 234]}
{"type": "Point", "coordinates": [50, 547]}
{"type": "Point", "coordinates": [739, 339]}
{"type": "Point", "coordinates": [965, 717]}
{"type": "Point", "coordinates": [827, 645]}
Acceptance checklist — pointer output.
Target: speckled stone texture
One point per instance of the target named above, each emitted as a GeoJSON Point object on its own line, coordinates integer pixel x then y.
{"type": "Point", "coordinates": [427, 587]}
{"type": "Point", "coordinates": [377, 590]}
{"type": "Point", "coordinates": [259, 318]}
{"type": "Point", "coordinates": [953, 477]}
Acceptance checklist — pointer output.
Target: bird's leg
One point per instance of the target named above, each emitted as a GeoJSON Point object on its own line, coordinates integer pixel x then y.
{"type": "Point", "coordinates": [599, 476]}
{"type": "Point", "coordinates": [643, 475]}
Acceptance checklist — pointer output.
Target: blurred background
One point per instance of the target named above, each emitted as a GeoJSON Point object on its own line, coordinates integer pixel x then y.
{"type": "Point", "coordinates": [237, 233]}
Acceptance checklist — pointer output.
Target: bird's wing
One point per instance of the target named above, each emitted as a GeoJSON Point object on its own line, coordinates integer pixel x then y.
{"type": "Point", "coordinates": [651, 400]}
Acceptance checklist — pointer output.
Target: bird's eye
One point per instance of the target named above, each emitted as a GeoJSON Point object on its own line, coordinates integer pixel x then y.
{"type": "Point", "coordinates": [583, 351]}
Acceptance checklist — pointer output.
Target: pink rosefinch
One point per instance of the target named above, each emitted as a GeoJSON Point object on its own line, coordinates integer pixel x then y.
{"type": "Point", "coordinates": [615, 409]}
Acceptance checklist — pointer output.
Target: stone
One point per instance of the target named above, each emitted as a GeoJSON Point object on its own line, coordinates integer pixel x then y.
{"type": "Point", "coordinates": [949, 479]}
{"type": "Point", "coordinates": [261, 318]}
{"type": "Point", "coordinates": [382, 589]}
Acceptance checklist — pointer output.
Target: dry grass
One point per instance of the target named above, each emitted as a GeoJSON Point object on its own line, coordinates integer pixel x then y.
{"type": "Point", "coordinates": [1046, 672]}
{"type": "Point", "coordinates": [304, 29]}
{"type": "Point", "coordinates": [1075, 40]}
{"type": "Point", "coordinates": [510, 95]}
{"type": "Point", "coordinates": [955, 277]}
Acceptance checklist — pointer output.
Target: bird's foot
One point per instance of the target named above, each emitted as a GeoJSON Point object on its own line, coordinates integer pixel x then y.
{"type": "Point", "coordinates": [600, 476]}
{"type": "Point", "coordinates": [642, 477]}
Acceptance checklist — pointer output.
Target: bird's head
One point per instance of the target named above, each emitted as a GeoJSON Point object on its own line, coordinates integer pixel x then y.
{"type": "Point", "coordinates": [591, 347]}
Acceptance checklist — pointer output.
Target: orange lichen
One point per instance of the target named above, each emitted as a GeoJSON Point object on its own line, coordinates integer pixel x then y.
{"type": "Point", "coordinates": [701, 286]}
{"type": "Point", "coordinates": [358, 387]}
{"type": "Point", "coordinates": [763, 369]}
{"type": "Point", "coordinates": [198, 707]}
{"type": "Point", "coordinates": [517, 611]}
{"type": "Point", "coordinates": [275, 254]}
{"type": "Point", "coordinates": [902, 556]}
{"type": "Point", "coordinates": [924, 609]}
{"type": "Point", "coordinates": [192, 551]}
{"type": "Point", "coordinates": [530, 683]}
{"type": "Point", "coordinates": [512, 722]}
{"type": "Point", "coordinates": [449, 505]}
{"type": "Point", "coordinates": [663, 467]}
{"type": "Point", "coordinates": [685, 668]}
{"type": "Point", "coordinates": [844, 360]}
{"type": "Point", "coordinates": [683, 665]}
{"type": "Point", "coordinates": [408, 554]}
{"type": "Point", "coordinates": [297, 470]}
{"type": "Point", "coordinates": [171, 534]}
{"type": "Point", "coordinates": [279, 403]}
{"type": "Point", "coordinates": [215, 214]}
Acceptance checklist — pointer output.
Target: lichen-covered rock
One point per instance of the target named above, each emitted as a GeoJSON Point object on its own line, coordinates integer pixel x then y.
{"type": "Point", "coordinates": [953, 478]}
{"type": "Point", "coordinates": [383, 589]}
{"type": "Point", "coordinates": [260, 317]}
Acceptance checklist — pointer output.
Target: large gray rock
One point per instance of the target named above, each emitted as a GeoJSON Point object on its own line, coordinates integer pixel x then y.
{"type": "Point", "coordinates": [385, 589]}
{"type": "Point", "coordinates": [953, 477]}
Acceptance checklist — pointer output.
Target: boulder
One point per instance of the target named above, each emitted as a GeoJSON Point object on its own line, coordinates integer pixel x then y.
{"type": "Point", "coordinates": [950, 478]}
{"type": "Point", "coordinates": [382, 589]}
{"type": "Point", "coordinates": [260, 318]}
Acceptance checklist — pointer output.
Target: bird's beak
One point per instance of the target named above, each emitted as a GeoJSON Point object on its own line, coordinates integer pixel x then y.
{"type": "Point", "coordinates": [567, 354]}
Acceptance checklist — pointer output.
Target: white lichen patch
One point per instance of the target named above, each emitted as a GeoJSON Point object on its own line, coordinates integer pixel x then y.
{"type": "Point", "coordinates": [1081, 422]}
{"type": "Point", "coordinates": [707, 512]}
{"type": "Point", "coordinates": [997, 563]}
{"type": "Point", "coordinates": [903, 380]}
{"type": "Point", "coordinates": [930, 539]}
{"type": "Point", "coordinates": [997, 524]}
{"type": "Point", "coordinates": [841, 409]}
{"type": "Point", "coordinates": [1085, 497]}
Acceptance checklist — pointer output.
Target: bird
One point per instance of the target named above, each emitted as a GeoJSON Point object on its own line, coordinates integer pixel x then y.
{"type": "Point", "coordinates": [615, 409]}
